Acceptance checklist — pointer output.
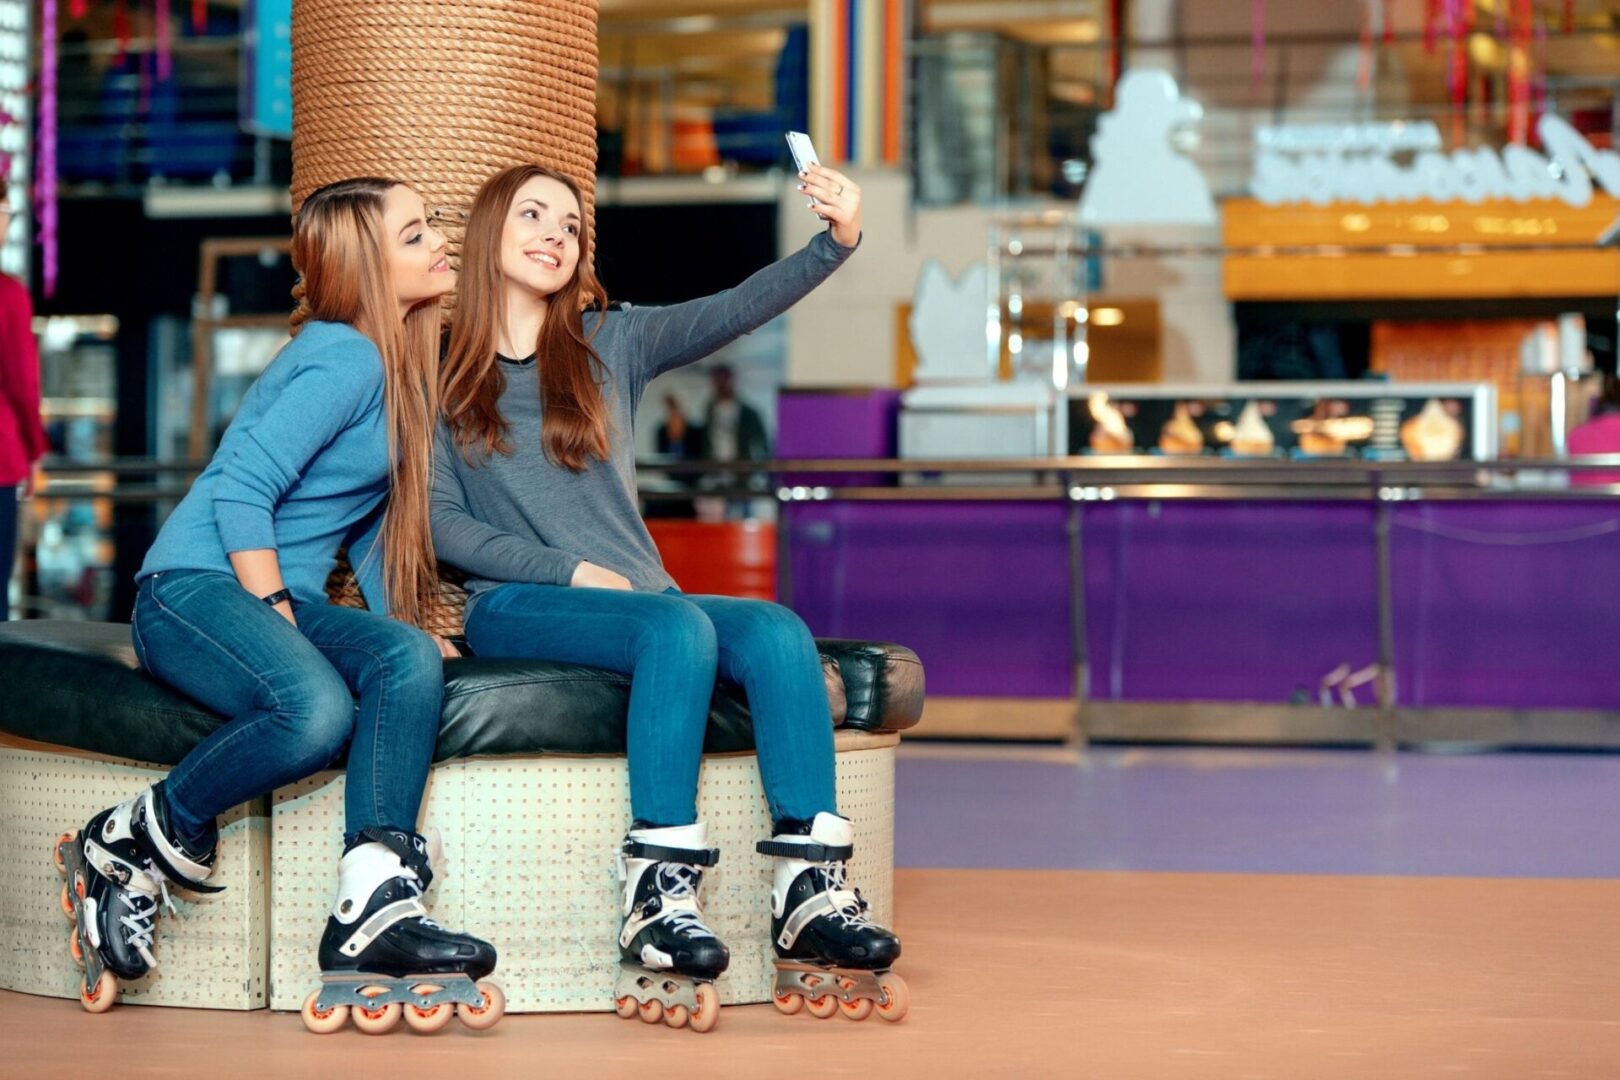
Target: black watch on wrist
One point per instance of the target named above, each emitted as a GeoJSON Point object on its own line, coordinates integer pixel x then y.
{"type": "Point", "coordinates": [277, 597]}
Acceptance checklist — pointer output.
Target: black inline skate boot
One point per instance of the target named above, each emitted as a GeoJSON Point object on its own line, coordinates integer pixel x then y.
{"type": "Point", "coordinates": [119, 868]}
{"type": "Point", "coordinates": [829, 954]}
{"type": "Point", "coordinates": [668, 958]}
{"type": "Point", "coordinates": [382, 958]}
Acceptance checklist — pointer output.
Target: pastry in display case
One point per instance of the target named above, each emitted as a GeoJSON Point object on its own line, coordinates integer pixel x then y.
{"type": "Point", "coordinates": [1433, 434]}
{"type": "Point", "coordinates": [1109, 434]}
{"type": "Point", "coordinates": [1371, 420]}
{"type": "Point", "coordinates": [1252, 437]}
{"type": "Point", "coordinates": [1180, 434]}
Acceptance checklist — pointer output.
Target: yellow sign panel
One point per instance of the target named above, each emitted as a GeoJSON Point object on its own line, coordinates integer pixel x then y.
{"type": "Point", "coordinates": [1566, 265]}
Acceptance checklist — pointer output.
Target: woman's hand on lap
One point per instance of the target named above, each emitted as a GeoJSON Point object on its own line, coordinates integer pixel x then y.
{"type": "Point", "coordinates": [838, 202]}
{"type": "Point", "coordinates": [446, 650]}
{"type": "Point", "coordinates": [590, 576]}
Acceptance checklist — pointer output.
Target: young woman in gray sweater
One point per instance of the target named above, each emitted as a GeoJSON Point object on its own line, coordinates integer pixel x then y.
{"type": "Point", "coordinates": [535, 498]}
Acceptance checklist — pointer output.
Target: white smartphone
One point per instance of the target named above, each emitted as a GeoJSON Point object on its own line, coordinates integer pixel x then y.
{"type": "Point", "coordinates": [803, 151]}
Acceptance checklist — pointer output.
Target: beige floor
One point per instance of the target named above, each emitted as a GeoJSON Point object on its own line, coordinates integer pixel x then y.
{"type": "Point", "coordinates": [1037, 973]}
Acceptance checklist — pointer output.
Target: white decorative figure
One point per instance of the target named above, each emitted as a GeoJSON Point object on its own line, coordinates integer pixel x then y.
{"type": "Point", "coordinates": [1137, 177]}
{"type": "Point", "coordinates": [947, 324]}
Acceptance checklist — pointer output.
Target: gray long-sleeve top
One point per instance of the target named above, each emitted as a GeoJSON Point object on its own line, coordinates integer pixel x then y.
{"type": "Point", "coordinates": [521, 518]}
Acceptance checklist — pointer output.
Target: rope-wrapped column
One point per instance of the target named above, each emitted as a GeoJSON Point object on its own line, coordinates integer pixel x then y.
{"type": "Point", "coordinates": [443, 93]}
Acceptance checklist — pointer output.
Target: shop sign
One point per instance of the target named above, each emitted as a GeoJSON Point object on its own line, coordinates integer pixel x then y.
{"type": "Point", "coordinates": [1323, 164]}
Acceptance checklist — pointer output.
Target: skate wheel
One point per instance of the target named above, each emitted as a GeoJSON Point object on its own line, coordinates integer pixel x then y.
{"type": "Point", "coordinates": [788, 1004]}
{"type": "Point", "coordinates": [100, 998]}
{"type": "Point", "coordinates": [676, 1016]}
{"type": "Point", "coordinates": [323, 1021]}
{"type": "Point", "coordinates": [652, 1011]}
{"type": "Point", "coordinates": [822, 1007]}
{"type": "Point", "coordinates": [76, 950]}
{"type": "Point", "coordinates": [428, 1020]}
{"type": "Point", "coordinates": [625, 1007]}
{"type": "Point", "coordinates": [56, 853]}
{"type": "Point", "coordinates": [486, 1012]}
{"type": "Point", "coordinates": [67, 905]}
{"type": "Point", "coordinates": [896, 998]}
{"type": "Point", "coordinates": [708, 1010]}
{"type": "Point", "coordinates": [857, 1009]}
{"type": "Point", "coordinates": [376, 1021]}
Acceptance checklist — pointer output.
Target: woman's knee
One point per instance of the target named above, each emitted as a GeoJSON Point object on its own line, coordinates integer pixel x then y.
{"type": "Point", "coordinates": [318, 714]}
{"type": "Point", "coordinates": [675, 626]}
{"type": "Point", "coordinates": [771, 625]}
{"type": "Point", "coordinates": [404, 660]}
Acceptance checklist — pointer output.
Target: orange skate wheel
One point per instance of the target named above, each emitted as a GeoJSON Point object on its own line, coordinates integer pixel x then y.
{"type": "Point", "coordinates": [676, 1016]}
{"type": "Point", "coordinates": [485, 1014]}
{"type": "Point", "coordinates": [76, 950]}
{"type": "Point", "coordinates": [652, 1011]}
{"type": "Point", "coordinates": [626, 1007]}
{"type": "Point", "coordinates": [857, 1009]}
{"type": "Point", "coordinates": [376, 1021]}
{"type": "Point", "coordinates": [822, 1007]}
{"type": "Point", "coordinates": [323, 1021]}
{"type": "Point", "coordinates": [896, 998]}
{"type": "Point", "coordinates": [708, 1010]}
{"type": "Point", "coordinates": [56, 852]}
{"type": "Point", "coordinates": [430, 1019]}
{"type": "Point", "coordinates": [100, 998]}
{"type": "Point", "coordinates": [787, 1004]}
{"type": "Point", "coordinates": [67, 905]}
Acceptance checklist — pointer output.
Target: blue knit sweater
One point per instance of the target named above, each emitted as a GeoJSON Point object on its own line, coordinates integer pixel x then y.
{"type": "Point", "coordinates": [303, 469]}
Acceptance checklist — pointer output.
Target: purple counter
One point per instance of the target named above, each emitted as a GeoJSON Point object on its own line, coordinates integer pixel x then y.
{"type": "Point", "coordinates": [1496, 604]}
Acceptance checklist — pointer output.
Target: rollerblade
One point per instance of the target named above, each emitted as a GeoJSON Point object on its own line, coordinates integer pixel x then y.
{"type": "Point", "coordinates": [668, 958]}
{"type": "Point", "coordinates": [117, 870]}
{"type": "Point", "coordinates": [829, 955]}
{"type": "Point", "coordinates": [383, 959]}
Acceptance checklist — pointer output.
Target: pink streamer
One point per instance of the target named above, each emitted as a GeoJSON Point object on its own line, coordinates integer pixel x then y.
{"type": "Point", "coordinates": [1389, 22]}
{"type": "Point", "coordinates": [165, 42]}
{"type": "Point", "coordinates": [45, 152]}
{"type": "Point", "coordinates": [79, 8]}
{"type": "Point", "coordinates": [1364, 57]}
{"type": "Point", "coordinates": [1257, 41]}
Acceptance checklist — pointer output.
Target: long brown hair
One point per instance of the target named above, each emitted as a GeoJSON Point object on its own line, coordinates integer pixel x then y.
{"type": "Point", "coordinates": [339, 251]}
{"type": "Point", "coordinates": [574, 427]}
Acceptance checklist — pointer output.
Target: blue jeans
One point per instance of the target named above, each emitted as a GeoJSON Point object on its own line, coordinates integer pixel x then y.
{"type": "Point", "coordinates": [672, 646]}
{"type": "Point", "coordinates": [289, 694]}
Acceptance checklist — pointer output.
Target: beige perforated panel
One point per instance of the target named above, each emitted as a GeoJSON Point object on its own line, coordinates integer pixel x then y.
{"type": "Point", "coordinates": [213, 956]}
{"type": "Point", "coordinates": [528, 864]}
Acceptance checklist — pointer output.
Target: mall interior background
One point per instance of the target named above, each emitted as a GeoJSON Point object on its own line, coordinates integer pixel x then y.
{"type": "Point", "coordinates": [1302, 448]}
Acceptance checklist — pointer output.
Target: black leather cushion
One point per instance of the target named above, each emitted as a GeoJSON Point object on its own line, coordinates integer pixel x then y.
{"type": "Point", "coordinates": [77, 684]}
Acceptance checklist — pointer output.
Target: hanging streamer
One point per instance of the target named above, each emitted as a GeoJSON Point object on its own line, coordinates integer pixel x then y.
{"type": "Point", "coordinates": [45, 152]}
{"type": "Point", "coordinates": [78, 9]}
{"type": "Point", "coordinates": [1364, 56]}
{"type": "Point", "coordinates": [199, 15]}
{"type": "Point", "coordinates": [1569, 16]}
{"type": "Point", "coordinates": [121, 28]}
{"type": "Point", "coordinates": [1257, 41]}
{"type": "Point", "coordinates": [1538, 81]}
{"type": "Point", "coordinates": [1389, 22]}
{"type": "Point", "coordinates": [165, 41]}
{"type": "Point", "coordinates": [1519, 38]}
{"type": "Point", "coordinates": [1431, 24]}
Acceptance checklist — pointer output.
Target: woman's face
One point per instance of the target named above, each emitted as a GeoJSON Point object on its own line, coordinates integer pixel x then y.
{"type": "Point", "coordinates": [540, 241]}
{"type": "Point", "coordinates": [416, 257]}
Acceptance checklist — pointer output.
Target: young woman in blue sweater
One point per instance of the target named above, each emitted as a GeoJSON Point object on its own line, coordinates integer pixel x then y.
{"type": "Point", "coordinates": [331, 448]}
{"type": "Point", "coordinates": [535, 498]}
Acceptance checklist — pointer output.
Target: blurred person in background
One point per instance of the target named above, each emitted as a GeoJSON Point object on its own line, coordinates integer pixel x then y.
{"type": "Point", "coordinates": [22, 436]}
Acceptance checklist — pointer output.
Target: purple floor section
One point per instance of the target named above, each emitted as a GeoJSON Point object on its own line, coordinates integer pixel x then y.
{"type": "Point", "coordinates": [1263, 811]}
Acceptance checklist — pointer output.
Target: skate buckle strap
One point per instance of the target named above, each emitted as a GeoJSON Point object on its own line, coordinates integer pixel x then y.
{"type": "Point", "coordinates": [813, 908]}
{"type": "Point", "coordinates": [822, 853]}
{"type": "Point", "coordinates": [640, 849]}
{"type": "Point", "coordinates": [409, 846]}
{"type": "Point", "coordinates": [386, 916]}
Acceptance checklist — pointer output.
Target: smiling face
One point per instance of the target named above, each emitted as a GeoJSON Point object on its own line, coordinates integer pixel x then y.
{"type": "Point", "coordinates": [416, 252]}
{"type": "Point", "coordinates": [540, 239]}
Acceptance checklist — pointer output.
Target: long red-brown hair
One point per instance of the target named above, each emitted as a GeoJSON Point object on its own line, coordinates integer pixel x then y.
{"type": "Point", "coordinates": [339, 250]}
{"type": "Point", "coordinates": [574, 427]}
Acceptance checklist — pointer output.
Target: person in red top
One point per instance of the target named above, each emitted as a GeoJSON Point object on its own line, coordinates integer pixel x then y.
{"type": "Point", "coordinates": [22, 437]}
{"type": "Point", "coordinates": [1599, 435]}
